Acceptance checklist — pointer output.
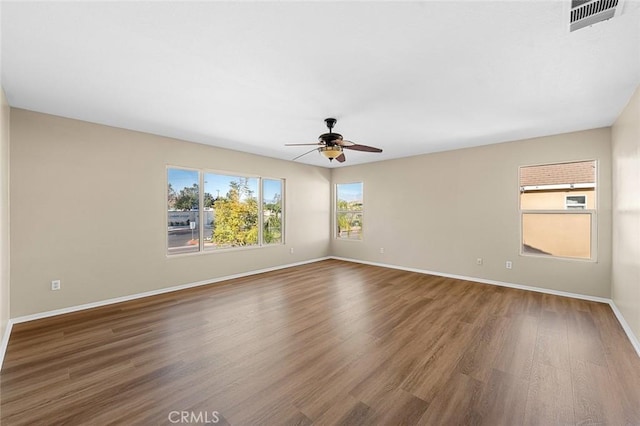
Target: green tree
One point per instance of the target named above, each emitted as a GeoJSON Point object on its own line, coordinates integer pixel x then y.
{"type": "Point", "coordinates": [188, 198]}
{"type": "Point", "coordinates": [208, 200]}
{"type": "Point", "coordinates": [236, 216]}
{"type": "Point", "coordinates": [344, 218]}
{"type": "Point", "coordinates": [344, 223]}
{"type": "Point", "coordinates": [171, 197]}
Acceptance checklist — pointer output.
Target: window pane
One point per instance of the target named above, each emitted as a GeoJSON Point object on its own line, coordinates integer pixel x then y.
{"type": "Point", "coordinates": [557, 234]}
{"type": "Point", "coordinates": [182, 211]}
{"type": "Point", "coordinates": [350, 225]}
{"type": "Point", "coordinates": [232, 218]}
{"type": "Point", "coordinates": [349, 207]}
{"type": "Point", "coordinates": [551, 186]}
{"type": "Point", "coordinates": [272, 211]}
{"type": "Point", "coordinates": [349, 196]}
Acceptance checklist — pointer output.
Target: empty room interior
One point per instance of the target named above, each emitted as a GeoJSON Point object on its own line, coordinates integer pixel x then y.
{"type": "Point", "coordinates": [265, 213]}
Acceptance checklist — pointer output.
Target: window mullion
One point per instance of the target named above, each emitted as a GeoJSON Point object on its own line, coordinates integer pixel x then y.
{"type": "Point", "coordinates": [201, 213]}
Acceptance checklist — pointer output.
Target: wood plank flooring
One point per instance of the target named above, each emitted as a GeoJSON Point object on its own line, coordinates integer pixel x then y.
{"type": "Point", "coordinates": [327, 343]}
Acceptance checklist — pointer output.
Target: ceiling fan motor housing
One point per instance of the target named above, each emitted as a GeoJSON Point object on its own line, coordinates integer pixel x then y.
{"type": "Point", "coordinates": [330, 138]}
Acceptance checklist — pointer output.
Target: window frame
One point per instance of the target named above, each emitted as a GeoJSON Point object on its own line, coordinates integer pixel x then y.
{"type": "Point", "coordinates": [336, 211]}
{"type": "Point", "coordinates": [593, 213]}
{"type": "Point", "coordinates": [201, 216]}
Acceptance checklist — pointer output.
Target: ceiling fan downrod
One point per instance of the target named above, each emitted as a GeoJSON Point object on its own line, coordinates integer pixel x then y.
{"type": "Point", "coordinates": [330, 123]}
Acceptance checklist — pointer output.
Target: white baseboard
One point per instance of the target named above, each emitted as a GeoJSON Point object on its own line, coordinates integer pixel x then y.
{"type": "Point", "coordinates": [482, 280]}
{"type": "Point", "coordinates": [106, 302]}
{"type": "Point", "coordinates": [625, 326]}
{"type": "Point", "coordinates": [5, 341]}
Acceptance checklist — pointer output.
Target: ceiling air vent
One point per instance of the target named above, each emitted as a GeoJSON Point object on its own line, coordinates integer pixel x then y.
{"type": "Point", "coordinates": [589, 12]}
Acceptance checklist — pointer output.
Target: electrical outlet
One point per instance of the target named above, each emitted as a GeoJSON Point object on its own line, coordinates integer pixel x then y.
{"type": "Point", "coordinates": [381, 250]}
{"type": "Point", "coordinates": [55, 285]}
{"type": "Point", "coordinates": [479, 261]}
{"type": "Point", "coordinates": [508, 264]}
{"type": "Point", "coordinates": [291, 250]}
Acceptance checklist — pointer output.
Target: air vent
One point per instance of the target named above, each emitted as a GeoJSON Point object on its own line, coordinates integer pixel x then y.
{"type": "Point", "coordinates": [588, 12]}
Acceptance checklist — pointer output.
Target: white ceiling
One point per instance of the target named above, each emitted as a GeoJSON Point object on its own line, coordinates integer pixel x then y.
{"type": "Point", "coordinates": [408, 77]}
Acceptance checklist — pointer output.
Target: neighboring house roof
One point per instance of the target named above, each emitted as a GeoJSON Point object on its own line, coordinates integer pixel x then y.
{"type": "Point", "coordinates": [558, 174]}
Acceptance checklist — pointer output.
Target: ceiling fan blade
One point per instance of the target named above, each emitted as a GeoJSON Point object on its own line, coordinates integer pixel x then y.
{"type": "Point", "coordinates": [365, 148]}
{"type": "Point", "coordinates": [340, 158]}
{"type": "Point", "coordinates": [302, 144]}
{"type": "Point", "coordinates": [302, 155]}
{"type": "Point", "coordinates": [343, 142]}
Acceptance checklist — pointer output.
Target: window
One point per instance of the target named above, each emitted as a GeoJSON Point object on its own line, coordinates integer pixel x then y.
{"type": "Point", "coordinates": [349, 211]}
{"type": "Point", "coordinates": [557, 210]}
{"type": "Point", "coordinates": [575, 202]}
{"type": "Point", "coordinates": [231, 215]}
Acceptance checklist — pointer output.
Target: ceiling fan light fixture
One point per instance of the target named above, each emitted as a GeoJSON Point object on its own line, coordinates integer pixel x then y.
{"type": "Point", "coordinates": [330, 152]}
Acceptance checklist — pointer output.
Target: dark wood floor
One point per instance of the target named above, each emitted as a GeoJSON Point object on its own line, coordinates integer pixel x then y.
{"type": "Point", "coordinates": [327, 343]}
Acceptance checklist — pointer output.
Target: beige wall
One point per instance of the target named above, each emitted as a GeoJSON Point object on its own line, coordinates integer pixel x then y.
{"type": "Point", "coordinates": [4, 213]}
{"type": "Point", "coordinates": [70, 178]}
{"type": "Point", "coordinates": [441, 211]}
{"type": "Point", "coordinates": [625, 135]}
{"type": "Point", "coordinates": [436, 212]}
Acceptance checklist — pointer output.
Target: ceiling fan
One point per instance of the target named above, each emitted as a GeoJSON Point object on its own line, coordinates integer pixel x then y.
{"type": "Point", "coordinates": [331, 144]}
